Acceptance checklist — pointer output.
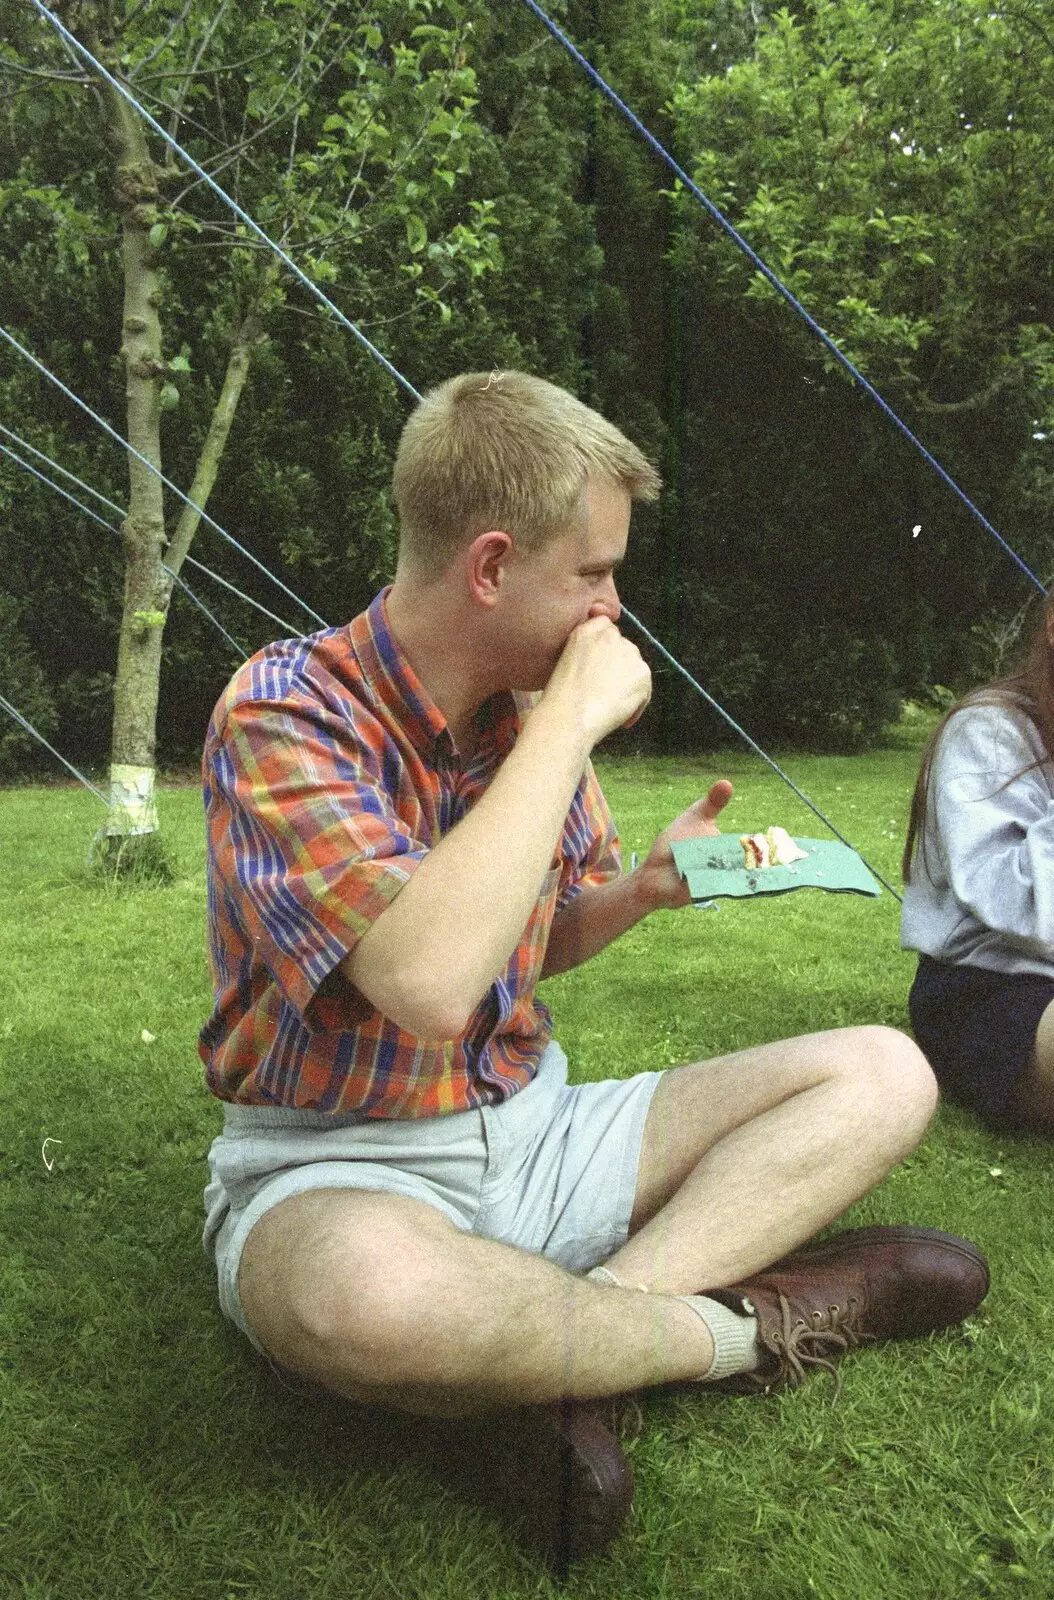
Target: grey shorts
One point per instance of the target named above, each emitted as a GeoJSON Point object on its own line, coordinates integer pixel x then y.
{"type": "Point", "coordinates": [553, 1170]}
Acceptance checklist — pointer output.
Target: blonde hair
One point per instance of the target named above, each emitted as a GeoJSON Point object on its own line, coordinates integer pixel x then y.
{"type": "Point", "coordinates": [507, 451]}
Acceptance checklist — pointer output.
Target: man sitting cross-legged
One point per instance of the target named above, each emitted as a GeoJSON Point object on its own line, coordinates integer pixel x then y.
{"type": "Point", "coordinates": [409, 1204]}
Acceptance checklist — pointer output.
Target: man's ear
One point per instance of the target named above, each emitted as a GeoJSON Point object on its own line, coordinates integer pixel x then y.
{"type": "Point", "coordinates": [485, 561]}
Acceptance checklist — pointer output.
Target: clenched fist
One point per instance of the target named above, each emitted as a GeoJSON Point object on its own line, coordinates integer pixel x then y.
{"type": "Point", "coordinates": [601, 679]}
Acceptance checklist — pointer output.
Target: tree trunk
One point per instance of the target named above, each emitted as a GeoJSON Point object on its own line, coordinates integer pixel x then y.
{"type": "Point", "coordinates": [132, 814]}
{"type": "Point", "coordinates": [130, 835]}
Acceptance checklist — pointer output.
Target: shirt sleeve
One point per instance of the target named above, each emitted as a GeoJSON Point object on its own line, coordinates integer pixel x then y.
{"type": "Point", "coordinates": [994, 824]}
{"type": "Point", "coordinates": [307, 841]}
{"type": "Point", "coordinates": [590, 844]}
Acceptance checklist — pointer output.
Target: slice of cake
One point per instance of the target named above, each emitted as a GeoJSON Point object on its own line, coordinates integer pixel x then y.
{"type": "Point", "coordinates": [755, 850]}
{"type": "Point", "coordinates": [773, 848]}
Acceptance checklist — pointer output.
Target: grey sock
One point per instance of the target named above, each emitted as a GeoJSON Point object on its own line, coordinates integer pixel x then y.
{"type": "Point", "coordinates": [735, 1335]}
{"type": "Point", "coordinates": [602, 1275]}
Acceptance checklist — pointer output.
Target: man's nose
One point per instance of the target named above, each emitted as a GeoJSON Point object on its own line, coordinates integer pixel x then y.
{"type": "Point", "coordinates": [608, 605]}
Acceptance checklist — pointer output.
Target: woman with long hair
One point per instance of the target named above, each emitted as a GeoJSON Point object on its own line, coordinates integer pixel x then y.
{"type": "Point", "coordinates": [979, 896]}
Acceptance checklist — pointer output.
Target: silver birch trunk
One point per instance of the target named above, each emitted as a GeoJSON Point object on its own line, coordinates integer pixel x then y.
{"type": "Point", "coordinates": [132, 814]}
{"type": "Point", "coordinates": [130, 834]}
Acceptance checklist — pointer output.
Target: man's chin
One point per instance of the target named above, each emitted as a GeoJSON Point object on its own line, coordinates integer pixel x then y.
{"type": "Point", "coordinates": [536, 682]}
{"type": "Point", "coordinates": [533, 682]}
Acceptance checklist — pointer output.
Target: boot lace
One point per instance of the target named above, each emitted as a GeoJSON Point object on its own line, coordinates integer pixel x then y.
{"type": "Point", "coordinates": [800, 1344]}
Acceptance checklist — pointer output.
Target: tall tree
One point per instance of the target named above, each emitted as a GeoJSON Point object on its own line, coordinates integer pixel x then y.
{"type": "Point", "coordinates": [346, 132]}
{"type": "Point", "coordinates": [893, 164]}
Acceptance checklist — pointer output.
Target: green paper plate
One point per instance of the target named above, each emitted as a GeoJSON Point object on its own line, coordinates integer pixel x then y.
{"type": "Point", "coordinates": [713, 869]}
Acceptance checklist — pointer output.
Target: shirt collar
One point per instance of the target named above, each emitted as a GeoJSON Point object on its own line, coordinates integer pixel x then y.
{"type": "Point", "coordinates": [397, 686]}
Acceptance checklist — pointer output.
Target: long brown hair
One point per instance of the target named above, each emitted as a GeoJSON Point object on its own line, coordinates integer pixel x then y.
{"type": "Point", "coordinates": [1030, 688]}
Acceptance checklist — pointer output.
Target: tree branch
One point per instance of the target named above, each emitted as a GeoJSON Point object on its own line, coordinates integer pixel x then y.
{"type": "Point", "coordinates": [974, 402]}
{"type": "Point", "coordinates": [166, 41]}
{"type": "Point", "coordinates": [227, 240]}
{"type": "Point", "coordinates": [7, 65]}
{"type": "Point", "coordinates": [232, 153]}
{"type": "Point", "coordinates": [211, 72]}
{"type": "Point", "coordinates": [162, 105]}
{"type": "Point", "coordinates": [1016, 16]}
{"type": "Point", "coordinates": [243, 345]}
{"type": "Point", "coordinates": [181, 98]}
{"type": "Point", "coordinates": [323, 25]}
{"type": "Point", "coordinates": [136, 9]}
{"type": "Point", "coordinates": [299, 102]}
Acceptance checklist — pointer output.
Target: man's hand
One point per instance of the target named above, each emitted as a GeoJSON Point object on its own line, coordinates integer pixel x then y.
{"type": "Point", "coordinates": [602, 678]}
{"type": "Point", "coordinates": [662, 884]}
{"type": "Point", "coordinates": [603, 912]}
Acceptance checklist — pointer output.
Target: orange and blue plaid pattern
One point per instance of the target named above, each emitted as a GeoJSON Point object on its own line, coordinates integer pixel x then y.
{"type": "Point", "coordinates": [328, 775]}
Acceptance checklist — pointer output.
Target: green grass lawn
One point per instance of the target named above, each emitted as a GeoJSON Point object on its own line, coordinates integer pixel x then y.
{"type": "Point", "coordinates": [145, 1450]}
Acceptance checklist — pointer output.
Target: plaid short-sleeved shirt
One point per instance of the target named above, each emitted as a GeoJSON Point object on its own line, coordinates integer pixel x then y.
{"type": "Point", "coordinates": [329, 773]}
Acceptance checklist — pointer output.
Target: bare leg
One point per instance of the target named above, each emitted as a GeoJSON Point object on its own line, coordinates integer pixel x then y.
{"type": "Point", "coordinates": [747, 1156]}
{"type": "Point", "coordinates": [383, 1300]}
{"type": "Point", "coordinates": [1033, 1097]}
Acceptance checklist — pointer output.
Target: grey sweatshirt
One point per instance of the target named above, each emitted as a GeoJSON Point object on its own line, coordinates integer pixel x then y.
{"type": "Point", "coordinates": [987, 899]}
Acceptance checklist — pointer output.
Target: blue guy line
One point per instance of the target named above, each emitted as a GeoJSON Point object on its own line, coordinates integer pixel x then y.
{"type": "Point", "coordinates": [781, 288]}
{"type": "Point", "coordinates": [744, 735]}
{"type": "Point", "coordinates": [243, 216]}
{"type": "Point", "coordinates": [240, 650]}
{"type": "Point", "coordinates": [24, 444]}
{"type": "Point", "coordinates": [19, 718]}
{"type": "Point", "coordinates": [212, 523]}
{"type": "Point", "coordinates": [88, 512]}
{"type": "Point", "coordinates": [200, 566]}
{"type": "Point", "coordinates": [291, 631]}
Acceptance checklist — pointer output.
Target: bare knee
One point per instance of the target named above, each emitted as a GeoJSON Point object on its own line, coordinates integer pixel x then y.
{"type": "Point", "coordinates": [900, 1086]}
{"type": "Point", "coordinates": [1031, 1102]}
{"type": "Point", "coordinates": [338, 1292]}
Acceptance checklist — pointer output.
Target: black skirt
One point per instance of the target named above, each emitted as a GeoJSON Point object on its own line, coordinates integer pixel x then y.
{"type": "Point", "coordinates": [977, 1029]}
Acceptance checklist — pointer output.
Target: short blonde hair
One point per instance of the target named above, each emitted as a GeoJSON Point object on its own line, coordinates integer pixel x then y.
{"type": "Point", "coordinates": [508, 451]}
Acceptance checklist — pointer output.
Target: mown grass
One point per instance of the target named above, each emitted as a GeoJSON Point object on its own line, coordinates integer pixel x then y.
{"type": "Point", "coordinates": [145, 1451]}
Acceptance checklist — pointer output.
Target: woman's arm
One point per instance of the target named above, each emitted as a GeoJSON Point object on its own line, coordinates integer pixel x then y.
{"type": "Point", "coordinates": [994, 838]}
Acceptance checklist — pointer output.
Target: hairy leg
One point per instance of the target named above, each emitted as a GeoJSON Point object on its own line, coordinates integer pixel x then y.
{"type": "Point", "coordinates": [382, 1299]}
{"type": "Point", "coordinates": [746, 1156]}
{"type": "Point", "coordinates": [1033, 1097]}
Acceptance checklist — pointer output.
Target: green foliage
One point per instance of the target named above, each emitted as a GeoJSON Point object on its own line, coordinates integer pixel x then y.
{"type": "Point", "coordinates": [345, 142]}
{"type": "Point", "coordinates": [450, 179]}
{"type": "Point", "coordinates": [844, 693]}
{"type": "Point", "coordinates": [22, 682]}
{"type": "Point", "coordinates": [892, 166]}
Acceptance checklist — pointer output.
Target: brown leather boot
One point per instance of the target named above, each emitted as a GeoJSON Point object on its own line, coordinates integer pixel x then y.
{"type": "Point", "coordinates": [555, 1474]}
{"type": "Point", "coordinates": [858, 1286]}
